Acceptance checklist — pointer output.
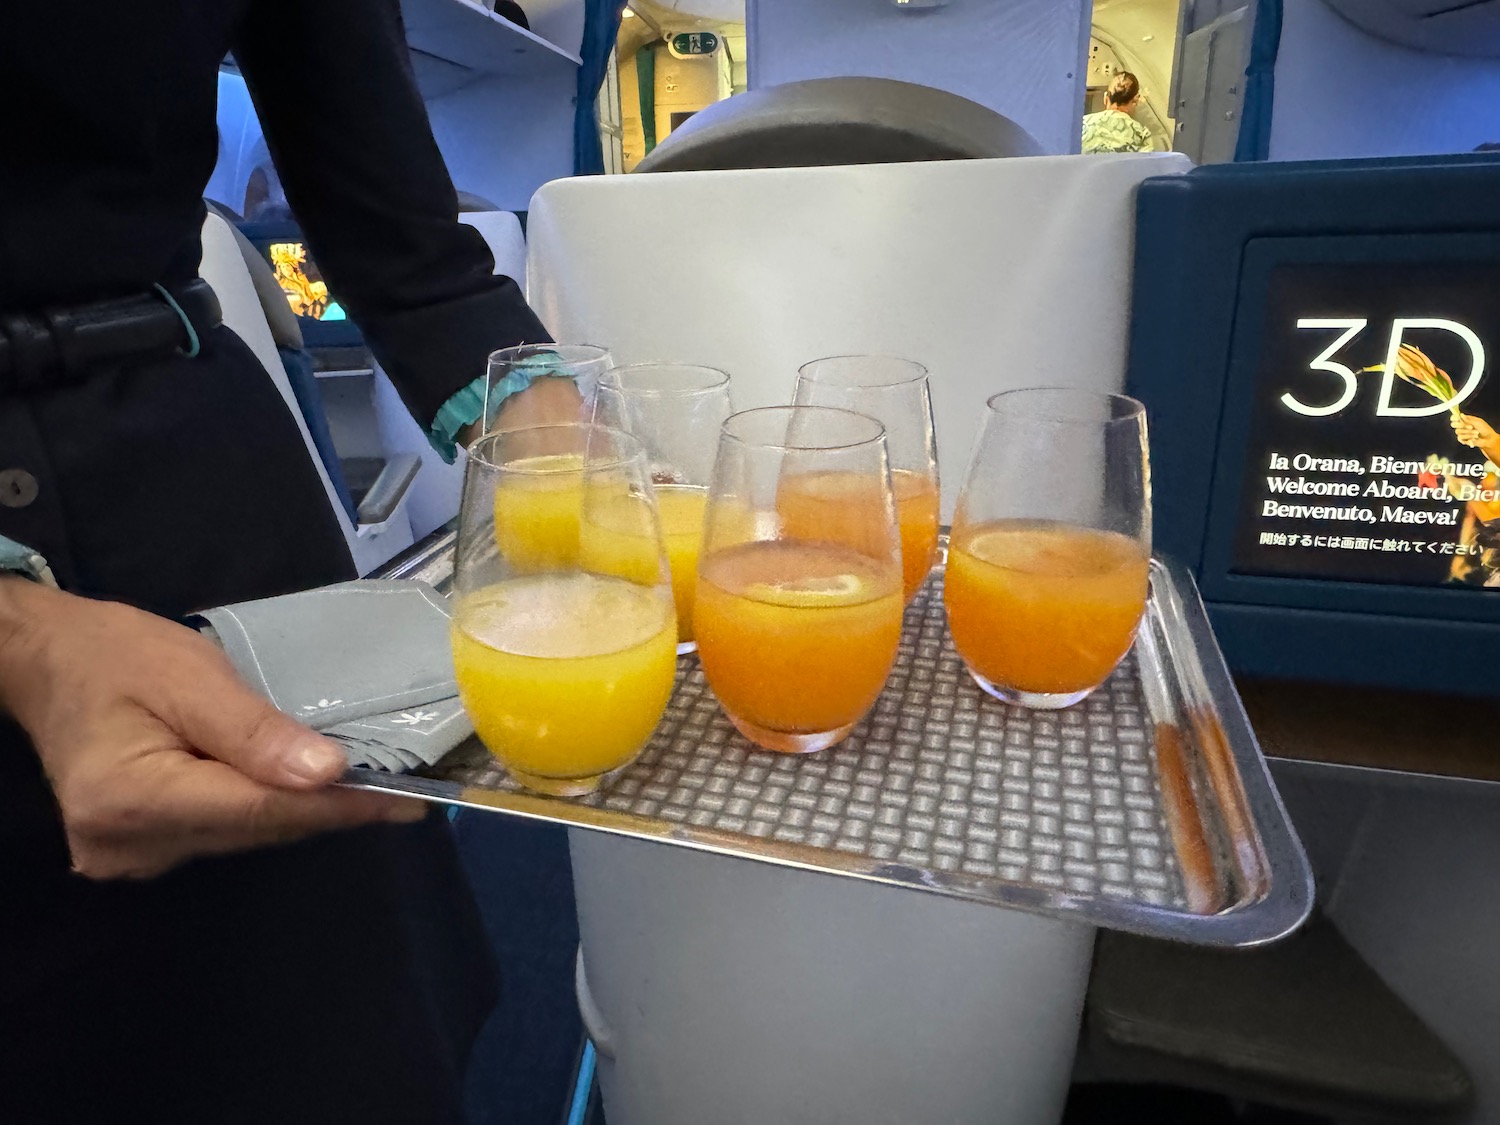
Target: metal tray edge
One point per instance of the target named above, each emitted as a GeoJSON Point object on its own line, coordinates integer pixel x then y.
{"type": "Point", "coordinates": [1282, 899]}
{"type": "Point", "coordinates": [1265, 909]}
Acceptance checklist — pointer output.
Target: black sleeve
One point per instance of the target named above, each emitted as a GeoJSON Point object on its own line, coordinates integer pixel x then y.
{"type": "Point", "coordinates": [347, 129]}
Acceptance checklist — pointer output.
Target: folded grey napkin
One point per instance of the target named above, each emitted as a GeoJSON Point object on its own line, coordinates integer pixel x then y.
{"type": "Point", "coordinates": [403, 740]}
{"type": "Point", "coordinates": [367, 663]}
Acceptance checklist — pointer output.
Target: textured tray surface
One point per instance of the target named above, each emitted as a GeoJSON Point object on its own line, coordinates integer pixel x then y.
{"type": "Point", "coordinates": [939, 777]}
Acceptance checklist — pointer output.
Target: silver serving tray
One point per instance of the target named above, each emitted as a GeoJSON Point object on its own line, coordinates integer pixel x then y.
{"type": "Point", "coordinates": [1146, 808]}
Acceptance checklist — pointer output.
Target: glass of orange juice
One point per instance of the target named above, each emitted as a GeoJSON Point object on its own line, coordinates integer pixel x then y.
{"type": "Point", "coordinates": [564, 638]}
{"type": "Point", "coordinates": [675, 410]}
{"type": "Point", "coordinates": [797, 631]}
{"type": "Point", "coordinates": [514, 369]}
{"type": "Point", "coordinates": [895, 392]}
{"type": "Point", "coordinates": [1049, 555]}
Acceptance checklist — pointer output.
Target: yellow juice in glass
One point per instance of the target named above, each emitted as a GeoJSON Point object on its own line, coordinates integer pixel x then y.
{"type": "Point", "coordinates": [1044, 607]}
{"type": "Point", "coordinates": [842, 507]}
{"type": "Point", "coordinates": [537, 514]}
{"type": "Point", "coordinates": [797, 638]}
{"type": "Point", "coordinates": [681, 508]}
{"type": "Point", "coordinates": [618, 538]}
{"type": "Point", "coordinates": [564, 676]}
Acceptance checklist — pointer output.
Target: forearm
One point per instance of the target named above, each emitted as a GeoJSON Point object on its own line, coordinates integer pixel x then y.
{"type": "Point", "coordinates": [17, 622]}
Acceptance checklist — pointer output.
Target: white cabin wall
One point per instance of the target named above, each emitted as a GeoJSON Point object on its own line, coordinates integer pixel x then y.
{"type": "Point", "coordinates": [504, 136]}
{"type": "Point", "coordinates": [1343, 93]}
{"type": "Point", "coordinates": [1022, 58]}
{"type": "Point", "coordinates": [500, 137]}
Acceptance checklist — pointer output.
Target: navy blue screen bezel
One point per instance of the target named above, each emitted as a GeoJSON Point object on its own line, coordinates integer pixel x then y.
{"type": "Point", "coordinates": [1192, 233]}
{"type": "Point", "coordinates": [1217, 580]}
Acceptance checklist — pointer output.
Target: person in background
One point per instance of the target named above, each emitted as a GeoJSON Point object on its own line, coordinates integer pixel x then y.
{"type": "Point", "coordinates": [265, 198]}
{"type": "Point", "coordinates": [1113, 129]}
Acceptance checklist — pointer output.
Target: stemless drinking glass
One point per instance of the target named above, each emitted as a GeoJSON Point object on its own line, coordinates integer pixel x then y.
{"type": "Point", "coordinates": [564, 635]}
{"type": "Point", "coordinates": [675, 411]}
{"type": "Point", "coordinates": [896, 394]}
{"type": "Point", "coordinates": [1049, 555]}
{"type": "Point", "coordinates": [510, 370]}
{"type": "Point", "coordinates": [797, 632]}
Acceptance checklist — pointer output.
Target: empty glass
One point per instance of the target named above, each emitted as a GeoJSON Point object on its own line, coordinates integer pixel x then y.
{"type": "Point", "coordinates": [564, 635]}
{"type": "Point", "coordinates": [675, 411]}
{"type": "Point", "coordinates": [1049, 557]}
{"type": "Point", "coordinates": [798, 624]}
{"type": "Point", "coordinates": [511, 369]}
{"type": "Point", "coordinates": [895, 392]}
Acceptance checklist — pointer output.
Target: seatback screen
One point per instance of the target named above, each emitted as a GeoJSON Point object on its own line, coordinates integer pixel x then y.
{"type": "Point", "coordinates": [1374, 435]}
{"type": "Point", "coordinates": [302, 281]}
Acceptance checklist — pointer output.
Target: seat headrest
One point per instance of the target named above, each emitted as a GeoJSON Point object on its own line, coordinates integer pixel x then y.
{"type": "Point", "coordinates": [826, 121]}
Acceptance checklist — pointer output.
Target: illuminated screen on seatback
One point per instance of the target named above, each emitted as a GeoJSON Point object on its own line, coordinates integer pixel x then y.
{"type": "Point", "coordinates": [1373, 446]}
{"type": "Point", "coordinates": [302, 282]}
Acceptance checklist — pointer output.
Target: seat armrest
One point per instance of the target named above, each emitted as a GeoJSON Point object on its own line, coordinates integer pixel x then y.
{"type": "Point", "coordinates": [379, 504]}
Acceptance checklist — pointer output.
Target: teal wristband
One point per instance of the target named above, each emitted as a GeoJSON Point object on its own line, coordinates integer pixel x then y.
{"type": "Point", "coordinates": [17, 558]}
{"type": "Point", "coordinates": [466, 406]}
{"type": "Point", "coordinates": [462, 409]}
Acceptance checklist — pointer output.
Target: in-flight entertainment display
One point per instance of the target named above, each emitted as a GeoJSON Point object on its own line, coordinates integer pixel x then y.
{"type": "Point", "coordinates": [1375, 427]}
{"type": "Point", "coordinates": [302, 282]}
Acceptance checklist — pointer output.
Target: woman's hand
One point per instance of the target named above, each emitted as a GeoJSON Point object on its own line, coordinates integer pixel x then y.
{"type": "Point", "coordinates": [155, 749]}
{"type": "Point", "coordinates": [549, 401]}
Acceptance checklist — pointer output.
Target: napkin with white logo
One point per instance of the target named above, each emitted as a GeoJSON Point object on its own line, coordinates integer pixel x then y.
{"type": "Point", "coordinates": [367, 663]}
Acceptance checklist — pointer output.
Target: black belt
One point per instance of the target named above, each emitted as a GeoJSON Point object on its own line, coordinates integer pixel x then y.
{"type": "Point", "coordinates": [65, 342]}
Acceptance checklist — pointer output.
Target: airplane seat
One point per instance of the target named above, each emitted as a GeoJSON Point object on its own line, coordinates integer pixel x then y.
{"type": "Point", "coordinates": [823, 121]}
{"type": "Point", "coordinates": [436, 492]}
{"type": "Point", "coordinates": [295, 360]}
{"type": "Point", "coordinates": [712, 982]}
{"type": "Point", "coordinates": [996, 274]}
{"type": "Point", "coordinates": [380, 528]}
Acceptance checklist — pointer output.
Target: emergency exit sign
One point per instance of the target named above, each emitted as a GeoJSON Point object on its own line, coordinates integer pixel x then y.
{"type": "Point", "coordinates": [694, 43]}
